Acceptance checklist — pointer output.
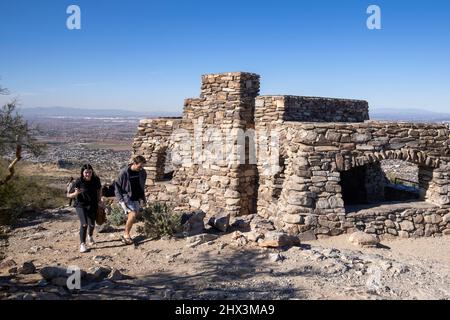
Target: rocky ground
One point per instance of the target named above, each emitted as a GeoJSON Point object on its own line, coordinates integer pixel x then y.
{"type": "Point", "coordinates": [216, 266]}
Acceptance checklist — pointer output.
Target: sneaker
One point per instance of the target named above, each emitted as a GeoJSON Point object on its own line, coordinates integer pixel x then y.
{"type": "Point", "coordinates": [90, 241]}
{"type": "Point", "coordinates": [83, 248]}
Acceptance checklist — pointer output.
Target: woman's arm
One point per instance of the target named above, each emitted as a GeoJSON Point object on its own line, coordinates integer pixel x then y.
{"type": "Point", "coordinates": [73, 194]}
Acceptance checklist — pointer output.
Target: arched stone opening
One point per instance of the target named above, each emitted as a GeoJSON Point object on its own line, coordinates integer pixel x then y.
{"type": "Point", "coordinates": [364, 179]}
{"type": "Point", "coordinates": [164, 165]}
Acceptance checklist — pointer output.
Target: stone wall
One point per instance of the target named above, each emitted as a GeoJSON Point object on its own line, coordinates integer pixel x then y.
{"type": "Point", "coordinates": [301, 193]}
{"type": "Point", "coordinates": [319, 152]}
{"type": "Point", "coordinates": [207, 180]}
{"type": "Point", "coordinates": [316, 109]}
{"type": "Point", "coordinates": [421, 219]}
{"type": "Point", "coordinates": [153, 140]}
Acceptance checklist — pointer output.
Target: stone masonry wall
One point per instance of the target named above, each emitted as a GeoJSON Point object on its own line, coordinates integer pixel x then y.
{"type": "Point", "coordinates": [303, 195]}
{"type": "Point", "coordinates": [311, 109]}
{"type": "Point", "coordinates": [154, 140]}
{"type": "Point", "coordinates": [208, 181]}
{"type": "Point", "coordinates": [422, 219]}
{"type": "Point", "coordinates": [318, 152]}
{"type": "Point", "coordinates": [325, 109]}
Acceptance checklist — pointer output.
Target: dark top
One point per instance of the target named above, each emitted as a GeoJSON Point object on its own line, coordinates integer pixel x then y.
{"type": "Point", "coordinates": [136, 190]}
{"type": "Point", "coordinates": [89, 195]}
{"type": "Point", "coordinates": [123, 186]}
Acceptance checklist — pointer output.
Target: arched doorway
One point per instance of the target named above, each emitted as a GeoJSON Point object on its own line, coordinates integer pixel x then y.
{"type": "Point", "coordinates": [376, 181]}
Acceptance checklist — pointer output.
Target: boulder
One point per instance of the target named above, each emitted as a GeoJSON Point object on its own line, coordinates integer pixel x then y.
{"type": "Point", "coordinates": [220, 222]}
{"type": "Point", "coordinates": [242, 223]}
{"type": "Point", "coordinates": [52, 272]}
{"type": "Point", "coordinates": [192, 223]}
{"type": "Point", "coordinates": [49, 273]}
{"type": "Point", "coordinates": [363, 239]}
{"type": "Point", "coordinates": [59, 281]}
{"type": "Point", "coordinates": [278, 239]}
{"type": "Point", "coordinates": [99, 273]}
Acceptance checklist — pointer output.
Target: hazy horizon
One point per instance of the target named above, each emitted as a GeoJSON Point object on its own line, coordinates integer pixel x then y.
{"type": "Point", "coordinates": [383, 114]}
{"type": "Point", "coordinates": [180, 111]}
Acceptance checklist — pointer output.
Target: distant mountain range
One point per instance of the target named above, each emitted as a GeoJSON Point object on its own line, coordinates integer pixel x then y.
{"type": "Point", "coordinates": [415, 115]}
{"type": "Point", "coordinates": [45, 112]}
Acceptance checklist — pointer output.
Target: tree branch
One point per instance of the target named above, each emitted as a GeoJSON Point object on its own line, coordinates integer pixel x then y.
{"type": "Point", "coordinates": [13, 163]}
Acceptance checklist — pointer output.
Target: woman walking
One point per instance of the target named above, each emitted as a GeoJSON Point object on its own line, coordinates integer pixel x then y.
{"type": "Point", "coordinates": [87, 194]}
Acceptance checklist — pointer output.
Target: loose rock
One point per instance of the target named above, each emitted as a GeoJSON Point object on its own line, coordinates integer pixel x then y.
{"type": "Point", "coordinates": [363, 239]}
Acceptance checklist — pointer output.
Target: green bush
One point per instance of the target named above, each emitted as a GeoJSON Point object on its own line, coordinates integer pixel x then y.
{"type": "Point", "coordinates": [159, 220]}
{"type": "Point", "coordinates": [117, 217]}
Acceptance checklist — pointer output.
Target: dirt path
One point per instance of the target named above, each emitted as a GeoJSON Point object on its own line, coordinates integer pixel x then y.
{"type": "Point", "coordinates": [221, 269]}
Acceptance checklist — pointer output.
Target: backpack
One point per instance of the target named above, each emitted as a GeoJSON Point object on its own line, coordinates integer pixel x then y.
{"type": "Point", "coordinates": [69, 186]}
{"type": "Point", "coordinates": [108, 191]}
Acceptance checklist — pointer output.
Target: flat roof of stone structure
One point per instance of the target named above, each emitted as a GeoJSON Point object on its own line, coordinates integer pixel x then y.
{"type": "Point", "coordinates": [308, 97]}
{"type": "Point", "coordinates": [234, 73]}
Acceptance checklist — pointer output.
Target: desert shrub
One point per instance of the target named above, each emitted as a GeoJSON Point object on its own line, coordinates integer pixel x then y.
{"type": "Point", "coordinates": [26, 193]}
{"type": "Point", "coordinates": [117, 217]}
{"type": "Point", "coordinates": [11, 204]}
{"type": "Point", "coordinates": [159, 220]}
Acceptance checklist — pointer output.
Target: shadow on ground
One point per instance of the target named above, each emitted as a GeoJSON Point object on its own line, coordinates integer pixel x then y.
{"type": "Point", "coordinates": [242, 274]}
{"type": "Point", "coordinates": [34, 218]}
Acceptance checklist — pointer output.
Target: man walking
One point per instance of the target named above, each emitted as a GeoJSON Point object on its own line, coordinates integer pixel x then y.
{"type": "Point", "coordinates": [130, 191]}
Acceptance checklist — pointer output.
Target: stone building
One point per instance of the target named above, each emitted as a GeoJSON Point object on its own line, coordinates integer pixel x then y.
{"type": "Point", "coordinates": [301, 162]}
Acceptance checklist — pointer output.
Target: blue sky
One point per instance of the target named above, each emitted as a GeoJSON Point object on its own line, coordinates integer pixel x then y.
{"type": "Point", "coordinates": [149, 55]}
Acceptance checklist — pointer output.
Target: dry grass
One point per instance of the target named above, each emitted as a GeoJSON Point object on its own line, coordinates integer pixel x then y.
{"type": "Point", "coordinates": [31, 188]}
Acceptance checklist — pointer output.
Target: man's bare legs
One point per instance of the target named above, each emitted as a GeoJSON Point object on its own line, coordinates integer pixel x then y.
{"type": "Point", "coordinates": [130, 221]}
